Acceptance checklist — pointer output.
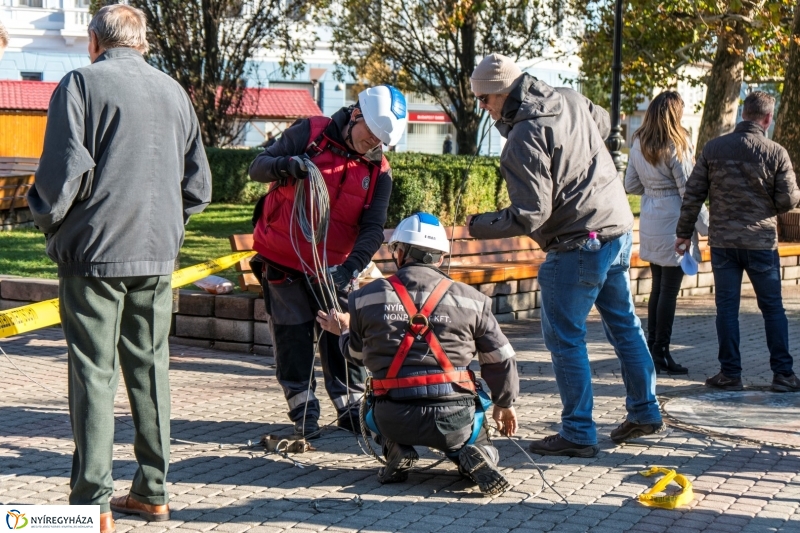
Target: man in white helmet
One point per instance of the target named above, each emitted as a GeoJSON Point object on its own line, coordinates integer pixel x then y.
{"type": "Point", "coordinates": [417, 332]}
{"type": "Point", "coordinates": [347, 150]}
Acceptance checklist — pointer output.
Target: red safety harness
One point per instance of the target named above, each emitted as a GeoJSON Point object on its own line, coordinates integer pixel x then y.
{"type": "Point", "coordinates": [419, 328]}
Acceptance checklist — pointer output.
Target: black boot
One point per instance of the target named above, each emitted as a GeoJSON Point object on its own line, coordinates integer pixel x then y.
{"type": "Point", "coordinates": [663, 359]}
{"type": "Point", "coordinates": [399, 460]}
{"type": "Point", "coordinates": [659, 361]}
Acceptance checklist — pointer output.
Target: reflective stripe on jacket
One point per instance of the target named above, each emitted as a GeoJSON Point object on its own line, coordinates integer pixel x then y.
{"type": "Point", "coordinates": [462, 322]}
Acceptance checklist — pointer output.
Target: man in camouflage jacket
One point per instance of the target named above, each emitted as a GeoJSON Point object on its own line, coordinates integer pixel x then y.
{"type": "Point", "coordinates": [749, 181]}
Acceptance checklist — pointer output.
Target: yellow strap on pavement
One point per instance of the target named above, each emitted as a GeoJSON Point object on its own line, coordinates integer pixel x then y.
{"type": "Point", "coordinates": [669, 501]}
{"type": "Point", "coordinates": [43, 314]}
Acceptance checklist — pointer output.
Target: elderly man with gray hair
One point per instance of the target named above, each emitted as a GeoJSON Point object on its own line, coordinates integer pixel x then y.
{"type": "Point", "coordinates": [123, 168]}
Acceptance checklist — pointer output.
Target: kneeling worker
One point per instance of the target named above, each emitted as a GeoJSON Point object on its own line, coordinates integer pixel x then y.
{"type": "Point", "coordinates": [423, 392]}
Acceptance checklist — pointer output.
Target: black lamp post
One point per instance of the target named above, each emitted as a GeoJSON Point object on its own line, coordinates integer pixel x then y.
{"type": "Point", "coordinates": [615, 142]}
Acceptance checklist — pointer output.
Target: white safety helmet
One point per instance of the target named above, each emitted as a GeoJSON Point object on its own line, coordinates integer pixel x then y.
{"type": "Point", "coordinates": [421, 230]}
{"type": "Point", "coordinates": [384, 110]}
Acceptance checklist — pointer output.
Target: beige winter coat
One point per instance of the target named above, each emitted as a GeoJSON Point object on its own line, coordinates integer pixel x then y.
{"type": "Point", "coordinates": [662, 187]}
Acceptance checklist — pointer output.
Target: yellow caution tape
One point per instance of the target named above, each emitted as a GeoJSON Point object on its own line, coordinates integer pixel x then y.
{"type": "Point", "coordinates": [191, 274]}
{"type": "Point", "coordinates": [29, 317]}
{"type": "Point", "coordinates": [669, 501]}
{"type": "Point", "coordinates": [43, 314]}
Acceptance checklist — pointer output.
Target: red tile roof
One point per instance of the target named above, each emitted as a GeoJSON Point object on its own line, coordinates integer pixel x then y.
{"type": "Point", "coordinates": [26, 95]}
{"type": "Point", "coordinates": [278, 104]}
{"type": "Point", "coordinates": [285, 104]}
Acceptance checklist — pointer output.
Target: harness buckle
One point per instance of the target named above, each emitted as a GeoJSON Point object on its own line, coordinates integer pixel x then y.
{"type": "Point", "coordinates": [315, 148]}
{"type": "Point", "coordinates": [419, 328]}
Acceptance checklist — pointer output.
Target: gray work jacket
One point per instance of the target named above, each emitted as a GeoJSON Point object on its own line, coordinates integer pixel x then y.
{"type": "Point", "coordinates": [560, 177]}
{"type": "Point", "coordinates": [462, 322]}
{"type": "Point", "coordinates": [123, 168]}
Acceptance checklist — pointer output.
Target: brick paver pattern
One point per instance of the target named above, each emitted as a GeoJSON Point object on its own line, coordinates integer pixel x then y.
{"type": "Point", "coordinates": [227, 398]}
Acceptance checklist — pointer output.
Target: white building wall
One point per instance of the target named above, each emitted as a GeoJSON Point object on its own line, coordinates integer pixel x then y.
{"type": "Point", "coordinates": [52, 40]}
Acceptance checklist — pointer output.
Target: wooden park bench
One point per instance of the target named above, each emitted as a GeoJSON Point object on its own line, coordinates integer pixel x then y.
{"type": "Point", "coordinates": [16, 177]}
{"type": "Point", "coordinates": [506, 269]}
{"type": "Point", "coordinates": [472, 261]}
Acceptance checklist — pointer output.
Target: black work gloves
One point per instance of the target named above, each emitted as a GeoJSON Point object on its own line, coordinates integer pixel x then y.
{"type": "Point", "coordinates": [293, 167]}
{"type": "Point", "coordinates": [341, 277]}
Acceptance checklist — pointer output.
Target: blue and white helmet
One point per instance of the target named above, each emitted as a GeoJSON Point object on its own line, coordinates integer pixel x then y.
{"type": "Point", "coordinates": [384, 110]}
{"type": "Point", "coordinates": [421, 230]}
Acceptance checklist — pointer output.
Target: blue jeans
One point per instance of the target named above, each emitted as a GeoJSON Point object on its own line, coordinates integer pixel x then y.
{"type": "Point", "coordinates": [763, 269]}
{"type": "Point", "coordinates": [571, 282]}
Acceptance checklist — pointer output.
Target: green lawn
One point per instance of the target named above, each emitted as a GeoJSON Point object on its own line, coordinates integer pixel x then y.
{"type": "Point", "coordinates": [23, 252]}
{"type": "Point", "coordinates": [207, 234]}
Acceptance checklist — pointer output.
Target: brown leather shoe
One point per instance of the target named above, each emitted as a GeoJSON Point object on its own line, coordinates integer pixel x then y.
{"type": "Point", "coordinates": [151, 513]}
{"type": "Point", "coordinates": [107, 523]}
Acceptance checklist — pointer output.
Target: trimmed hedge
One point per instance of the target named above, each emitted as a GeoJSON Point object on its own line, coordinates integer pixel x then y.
{"type": "Point", "coordinates": [422, 182]}
{"type": "Point", "coordinates": [430, 183]}
{"type": "Point", "coordinates": [230, 182]}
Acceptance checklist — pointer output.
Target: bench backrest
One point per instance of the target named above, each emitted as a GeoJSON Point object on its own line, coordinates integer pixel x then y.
{"type": "Point", "coordinates": [468, 251]}
{"type": "Point", "coordinates": [16, 177]}
{"type": "Point", "coordinates": [520, 256]}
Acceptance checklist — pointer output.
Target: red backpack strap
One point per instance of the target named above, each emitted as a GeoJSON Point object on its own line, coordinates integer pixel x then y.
{"type": "Point", "coordinates": [419, 325]}
{"type": "Point", "coordinates": [317, 140]}
{"type": "Point", "coordinates": [375, 173]}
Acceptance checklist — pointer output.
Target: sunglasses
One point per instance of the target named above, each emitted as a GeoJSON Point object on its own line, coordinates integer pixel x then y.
{"type": "Point", "coordinates": [484, 98]}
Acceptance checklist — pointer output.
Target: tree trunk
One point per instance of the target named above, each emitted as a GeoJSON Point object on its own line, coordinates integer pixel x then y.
{"type": "Point", "coordinates": [467, 132]}
{"type": "Point", "coordinates": [787, 123]}
{"type": "Point", "coordinates": [724, 85]}
{"type": "Point", "coordinates": [210, 128]}
{"type": "Point", "coordinates": [468, 121]}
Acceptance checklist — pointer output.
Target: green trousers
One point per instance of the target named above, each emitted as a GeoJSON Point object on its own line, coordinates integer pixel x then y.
{"type": "Point", "coordinates": [113, 323]}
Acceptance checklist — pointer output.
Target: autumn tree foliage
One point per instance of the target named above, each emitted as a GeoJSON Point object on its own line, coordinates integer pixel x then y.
{"type": "Point", "coordinates": [432, 48]}
{"type": "Point", "coordinates": [735, 40]}
{"type": "Point", "coordinates": [208, 46]}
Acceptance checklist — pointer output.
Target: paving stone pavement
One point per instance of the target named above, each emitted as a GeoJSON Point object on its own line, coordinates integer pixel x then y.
{"type": "Point", "coordinates": [228, 398]}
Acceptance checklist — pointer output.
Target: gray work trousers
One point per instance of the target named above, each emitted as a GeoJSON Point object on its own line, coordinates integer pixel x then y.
{"type": "Point", "coordinates": [292, 305]}
{"type": "Point", "coordinates": [444, 426]}
{"type": "Point", "coordinates": [112, 324]}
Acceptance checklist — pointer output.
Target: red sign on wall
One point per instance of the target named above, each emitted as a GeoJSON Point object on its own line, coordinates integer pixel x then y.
{"type": "Point", "coordinates": [428, 116]}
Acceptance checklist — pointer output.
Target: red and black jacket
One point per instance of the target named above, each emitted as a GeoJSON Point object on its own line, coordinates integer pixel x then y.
{"type": "Point", "coordinates": [359, 187]}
